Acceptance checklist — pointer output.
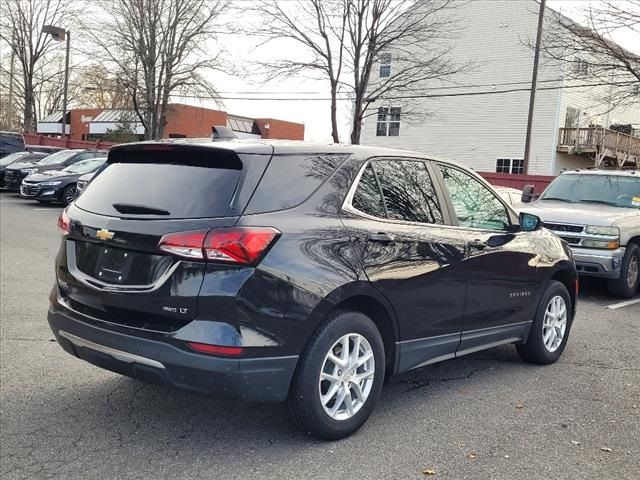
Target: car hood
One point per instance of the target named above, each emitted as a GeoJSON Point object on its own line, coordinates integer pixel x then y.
{"type": "Point", "coordinates": [51, 175]}
{"type": "Point", "coordinates": [19, 164]}
{"type": "Point", "coordinates": [580, 213]}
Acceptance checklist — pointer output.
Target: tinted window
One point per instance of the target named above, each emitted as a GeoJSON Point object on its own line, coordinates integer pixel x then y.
{"type": "Point", "coordinates": [367, 197]}
{"type": "Point", "coordinates": [13, 157]}
{"type": "Point", "coordinates": [290, 180]}
{"type": "Point", "coordinates": [408, 191]}
{"type": "Point", "coordinates": [185, 191]}
{"type": "Point", "coordinates": [475, 205]}
{"type": "Point", "coordinates": [11, 142]}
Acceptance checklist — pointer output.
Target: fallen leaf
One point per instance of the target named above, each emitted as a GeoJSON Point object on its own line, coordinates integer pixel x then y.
{"type": "Point", "coordinates": [506, 456]}
{"type": "Point", "coordinates": [519, 405]}
{"type": "Point", "coordinates": [605, 449]}
{"type": "Point", "coordinates": [564, 425]}
{"type": "Point", "coordinates": [575, 442]}
{"type": "Point", "coordinates": [428, 471]}
{"type": "Point", "coordinates": [459, 444]}
{"type": "Point", "coordinates": [472, 455]}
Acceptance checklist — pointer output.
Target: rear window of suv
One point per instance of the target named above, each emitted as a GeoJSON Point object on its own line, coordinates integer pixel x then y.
{"type": "Point", "coordinates": [180, 184]}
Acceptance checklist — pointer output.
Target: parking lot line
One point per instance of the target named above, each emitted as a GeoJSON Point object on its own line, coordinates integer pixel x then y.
{"type": "Point", "coordinates": [623, 304]}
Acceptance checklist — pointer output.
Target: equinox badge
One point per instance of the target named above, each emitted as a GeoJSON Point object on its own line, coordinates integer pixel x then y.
{"type": "Point", "coordinates": [104, 234]}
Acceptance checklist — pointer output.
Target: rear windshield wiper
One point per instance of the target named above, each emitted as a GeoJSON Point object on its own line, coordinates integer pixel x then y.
{"type": "Point", "coordinates": [139, 209]}
{"type": "Point", "coordinates": [557, 198]}
{"type": "Point", "coordinates": [604, 202]}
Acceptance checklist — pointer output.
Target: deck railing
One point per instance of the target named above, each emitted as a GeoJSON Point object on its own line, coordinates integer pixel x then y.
{"type": "Point", "coordinates": [605, 142]}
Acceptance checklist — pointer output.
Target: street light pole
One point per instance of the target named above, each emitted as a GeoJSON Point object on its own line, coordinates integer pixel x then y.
{"type": "Point", "coordinates": [60, 34]}
{"type": "Point", "coordinates": [66, 87]}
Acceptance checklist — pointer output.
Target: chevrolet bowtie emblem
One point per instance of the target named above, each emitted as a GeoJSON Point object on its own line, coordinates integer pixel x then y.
{"type": "Point", "coordinates": [104, 234]}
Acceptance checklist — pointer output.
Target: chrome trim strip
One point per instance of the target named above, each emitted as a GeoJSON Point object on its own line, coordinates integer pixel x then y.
{"type": "Point", "coordinates": [117, 354]}
{"type": "Point", "coordinates": [96, 284]}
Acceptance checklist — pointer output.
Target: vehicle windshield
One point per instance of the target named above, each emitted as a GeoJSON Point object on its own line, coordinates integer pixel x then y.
{"type": "Point", "coordinates": [12, 158]}
{"type": "Point", "coordinates": [615, 190]}
{"type": "Point", "coordinates": [86, 166]}
{"type": "Point", "coordinates": [11, 142]}
{"type": "Point", "coordinates": [58, 157]}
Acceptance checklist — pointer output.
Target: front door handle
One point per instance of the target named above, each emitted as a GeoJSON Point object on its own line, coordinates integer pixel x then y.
{"type": "Point", "coordinates": [477, 244]}
{"type": "Point", "coordinates": [381, 237]}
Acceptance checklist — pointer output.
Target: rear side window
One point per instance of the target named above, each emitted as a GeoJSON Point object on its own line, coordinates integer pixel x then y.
{"type": "Point", "coordinates": [367, 197]}
{"type": "Point", "coordinates": [171, 190]}
{"type": "Point", "coordinates": [290, 180]}
{"type": "Point", "coordinates": [408, 191]}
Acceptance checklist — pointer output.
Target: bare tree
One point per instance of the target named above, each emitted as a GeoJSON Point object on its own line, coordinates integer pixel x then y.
{"type": "Point", "coordinates": [588, 48]}
{"type": "Point", "coordinates": [158, 48]}
{"type": "Point", "coordinates": [21, 23]}
{"type": "Point", "coordinates": [94, 86]}
{"type": "Point", "coordinates": [345, 40]}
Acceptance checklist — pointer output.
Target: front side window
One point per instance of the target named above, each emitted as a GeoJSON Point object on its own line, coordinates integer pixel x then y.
{"type": "Point", "coordinates": [408, 191]}
{"type": "Point", "coordinates": [368, 197]}
{"type": "Point", "coordinates": [475, 205]}
{"type": "Point", "coordinates": [388, 124]}
{"type": "Point", "coordinates": [385, 65]}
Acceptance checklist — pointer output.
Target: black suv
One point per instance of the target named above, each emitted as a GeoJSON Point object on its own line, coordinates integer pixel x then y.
{"type": "Point", "coordinates": [19, 170]}
{"type": "Point", "coordinates": [288, 271]}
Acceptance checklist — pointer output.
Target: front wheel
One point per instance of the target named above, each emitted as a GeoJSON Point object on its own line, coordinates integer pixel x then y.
{"type": "Point", "coordinates": [68, 194]}
{"type": "Point", "coordinates": [627, 285]}
{"type": "Point", "coordinates": [550, 328]}
{"type": "Point", "coordinates": [339, 377]}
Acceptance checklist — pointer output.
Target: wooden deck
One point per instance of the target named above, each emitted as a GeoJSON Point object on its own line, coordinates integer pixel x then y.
{"type": "Point", "coordinates": [601, 144]}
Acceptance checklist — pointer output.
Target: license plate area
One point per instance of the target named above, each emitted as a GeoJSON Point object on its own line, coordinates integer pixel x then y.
{"type": "Point", "coordinates": [113, 265]}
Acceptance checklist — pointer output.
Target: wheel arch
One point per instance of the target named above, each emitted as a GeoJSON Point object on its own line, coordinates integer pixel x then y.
{"type": "Point", "coordinates": [362, 297]}
{"type": "Point", "coordinates": [566, 274]}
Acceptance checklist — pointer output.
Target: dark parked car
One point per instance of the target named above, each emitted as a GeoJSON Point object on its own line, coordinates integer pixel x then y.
{"type": "Point", "coordinates": [12, 158]}
{"type": "Point", "coordinates": [11, 142]}
{"type": "Point", "coordinates": [56, 161]}
{"type": "Point", "coordinates": [58, 185]}
{"type": "Point", "coordinates": [83, 181]}
{"type": "Point", "coordinates": [289, 271]}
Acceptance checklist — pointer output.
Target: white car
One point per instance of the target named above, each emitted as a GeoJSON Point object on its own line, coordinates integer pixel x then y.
{"type": "Point", "coordinates": [512, 196]}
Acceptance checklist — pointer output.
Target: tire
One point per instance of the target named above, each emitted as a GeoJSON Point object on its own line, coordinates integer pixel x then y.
{"type": "Point", "coordinates": [304, 402]}
{"type": "Point", "coordinates": [627, 285]}
{"type": "Point", "coordinates": [536, 349]}
{"type": "Point", "coordinates": [68, 194]}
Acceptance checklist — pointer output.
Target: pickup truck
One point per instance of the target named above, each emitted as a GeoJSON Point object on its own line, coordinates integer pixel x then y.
{"type": "Point", "coordinates": [597, 212]}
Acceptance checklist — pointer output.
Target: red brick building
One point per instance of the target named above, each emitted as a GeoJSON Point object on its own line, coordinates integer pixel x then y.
{"type": "Point", "coordinates": [182, 121]}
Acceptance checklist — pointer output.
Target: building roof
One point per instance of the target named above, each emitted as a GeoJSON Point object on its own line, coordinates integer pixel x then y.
{"type": "Point", "coordinates": [55, 117]}
{"type": "Point", "coordinates": [116, 116]}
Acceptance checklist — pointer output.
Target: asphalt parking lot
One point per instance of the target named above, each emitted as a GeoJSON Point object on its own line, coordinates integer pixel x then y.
{"type": "Point", "coordinates": [485, 416]}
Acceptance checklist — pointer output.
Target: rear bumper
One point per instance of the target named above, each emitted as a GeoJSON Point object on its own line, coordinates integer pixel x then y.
{"type": "Point", "coordinates": [598, 263]}
{"type": "Point", "coordinates": [153, 361]}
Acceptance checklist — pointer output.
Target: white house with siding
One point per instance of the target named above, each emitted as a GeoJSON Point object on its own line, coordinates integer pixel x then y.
{"type": "Point", "coordinates": [486, 131]}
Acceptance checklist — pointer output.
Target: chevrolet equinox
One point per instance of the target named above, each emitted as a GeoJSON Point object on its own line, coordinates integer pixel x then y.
{"type": "Point", "coordinates": [292, 272]}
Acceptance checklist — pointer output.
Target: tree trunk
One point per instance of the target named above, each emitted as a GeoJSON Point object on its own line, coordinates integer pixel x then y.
{"type": "Point", "coordinates": [28, 117]}
{"type": "Point", "coordinates": [334, 113]}
{"type": "Point", "coordinates": [356, 127]}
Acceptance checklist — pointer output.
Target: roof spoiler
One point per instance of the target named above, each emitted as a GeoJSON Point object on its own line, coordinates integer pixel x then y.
{"type": "Point", "coordinates": [219, 132]}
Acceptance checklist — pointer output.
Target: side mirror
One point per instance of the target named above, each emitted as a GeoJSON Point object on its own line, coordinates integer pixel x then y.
{"type": "Point", "coordinates": [527, 194]}
{"type": "Point", "coordinates": [530, 222]}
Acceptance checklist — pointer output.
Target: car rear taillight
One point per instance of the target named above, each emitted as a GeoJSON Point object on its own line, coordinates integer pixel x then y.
{"type": "Point", "coordinates": [216, 349]}
{"type": "Point", "coordinates": [241, 245]}
{"type": "Point", "coordinates": [64, 224]}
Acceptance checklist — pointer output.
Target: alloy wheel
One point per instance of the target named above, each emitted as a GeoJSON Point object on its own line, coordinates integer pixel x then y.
{"type": "Point", "coordinates": [632, 271]}
{"type": "Point", "coordinates": [70, 195]}
{"type": "Point", "coordinates": [554, 324]}
{"type": "Point", "coordinates": [346, 376]}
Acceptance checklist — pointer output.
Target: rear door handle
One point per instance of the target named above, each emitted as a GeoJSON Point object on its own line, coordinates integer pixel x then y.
{"type": "Point", "coordinates": [381, 237]}
{"type": "Point", "coordinates": [477, 244]}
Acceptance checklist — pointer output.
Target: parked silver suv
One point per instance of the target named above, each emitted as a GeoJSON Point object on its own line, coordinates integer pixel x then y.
{"type": "Point", "coordinates": [598, 213]}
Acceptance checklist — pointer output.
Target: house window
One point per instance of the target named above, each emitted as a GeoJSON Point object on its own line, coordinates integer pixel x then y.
{"type": "Point", "coordinates": [580, 67]}
{"type": "Point", "coordinates": [385, 65]}
{"type": "Point", "coordinates": [388, 124]}
{"type": "Point", "coordinates": [510, 165]}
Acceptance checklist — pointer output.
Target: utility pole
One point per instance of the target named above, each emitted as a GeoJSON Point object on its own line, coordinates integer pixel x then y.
{"type": "Point", "coordinates": [534, 82]}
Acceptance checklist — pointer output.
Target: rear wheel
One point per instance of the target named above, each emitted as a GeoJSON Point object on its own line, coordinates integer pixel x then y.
{"type": "Point", "coordinates": [68, 194]}
{"type": "Point", "coordinates": [550, 327]}
{"type": "Point", "coordinates": [627, 284]}
{"type": "Point", "coordinates": [339, 377]}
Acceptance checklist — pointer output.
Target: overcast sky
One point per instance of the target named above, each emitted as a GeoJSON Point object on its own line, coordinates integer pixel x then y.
{"type": "Point", "coordinates": [314, 113]}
